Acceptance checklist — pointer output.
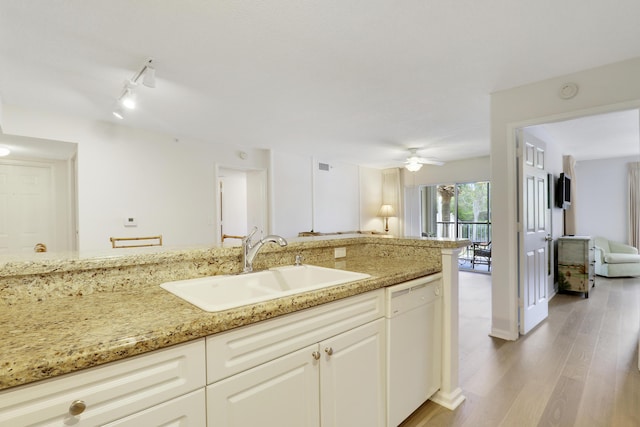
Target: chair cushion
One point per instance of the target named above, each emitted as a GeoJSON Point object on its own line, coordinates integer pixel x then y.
{"type": "Point", "coordinates": [616, 258]}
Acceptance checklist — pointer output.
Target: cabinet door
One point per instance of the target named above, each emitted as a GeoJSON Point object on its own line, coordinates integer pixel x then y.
{"type": "Point", "coordinates": [352, 377]}
{"type": "Point", "coordinates": [184, 411]}
{"type": "Point", "coordinates": [283, 392]}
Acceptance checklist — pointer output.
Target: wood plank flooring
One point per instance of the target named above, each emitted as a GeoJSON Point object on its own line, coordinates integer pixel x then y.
{"type": "Point", "coordinates": [578, 368]}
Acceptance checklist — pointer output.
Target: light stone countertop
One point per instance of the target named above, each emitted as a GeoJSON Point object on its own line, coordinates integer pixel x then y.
{"type": "Point", "coordinates": [56, 336]}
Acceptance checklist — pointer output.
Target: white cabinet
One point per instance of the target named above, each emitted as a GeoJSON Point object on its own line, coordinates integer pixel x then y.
{"type": "Point", "coordinates": [352, 377]}
{"type": "Point", "coordinates": [283, 392]}
{"type": "Point", "coordinates": [324, 366]}
{"type": "Point", "coordinates": [104, 394]}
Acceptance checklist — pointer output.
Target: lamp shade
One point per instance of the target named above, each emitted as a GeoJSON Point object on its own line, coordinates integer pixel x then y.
{"type": "Point", "coordinates": [386, 211]}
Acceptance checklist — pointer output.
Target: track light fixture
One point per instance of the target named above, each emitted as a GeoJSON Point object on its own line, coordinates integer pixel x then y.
{"type": "Point", "coordinates": [118, 112]}
{"type": "Point", "coordinates": [127, 98]}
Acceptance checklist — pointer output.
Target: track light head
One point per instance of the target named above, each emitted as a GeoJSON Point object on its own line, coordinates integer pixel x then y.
{"type": "Point", "coordinates": [149, 76]}
{"type": "Point", "coordinates": [118, 112]}
{"type": "Point", "coordinates": [128, 99]}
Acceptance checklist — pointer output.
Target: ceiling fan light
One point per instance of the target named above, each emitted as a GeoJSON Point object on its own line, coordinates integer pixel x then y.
{"type": "Point", "coordinates": [413, 165]}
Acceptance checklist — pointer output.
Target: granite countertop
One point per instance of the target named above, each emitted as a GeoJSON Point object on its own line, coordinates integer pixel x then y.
{"type": "Point", "coordinates": [47, 338]}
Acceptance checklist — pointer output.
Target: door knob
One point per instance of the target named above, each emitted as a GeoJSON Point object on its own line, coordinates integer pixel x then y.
{"type": "Point", "coordinates": [548, 238]}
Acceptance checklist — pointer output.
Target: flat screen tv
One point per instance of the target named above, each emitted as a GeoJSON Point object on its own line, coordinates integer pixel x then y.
{"type": "Point", "coordinates": [563, 191]}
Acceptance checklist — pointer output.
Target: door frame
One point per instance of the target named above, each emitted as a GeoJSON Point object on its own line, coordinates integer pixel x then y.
{"type": "Point", "coordinates": [266, 208]}
{"type": "Point", "coordinates": [64, 199]}
{"type": "Point", "coordinates": [507, 251]}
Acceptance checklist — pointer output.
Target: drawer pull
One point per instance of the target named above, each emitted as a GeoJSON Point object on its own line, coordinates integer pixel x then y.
{"type": "Point", "coordinates": [316, 355]}
{"type": "Point", "coordinates": [328, 350]}
{"type": "Point", "coordinates": [77, 407]}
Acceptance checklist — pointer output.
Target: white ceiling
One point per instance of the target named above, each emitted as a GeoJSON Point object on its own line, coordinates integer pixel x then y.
{"type": "Point", "coordinates": [351, 80]}
{"type": "Point", "coordinates": [595, 137]}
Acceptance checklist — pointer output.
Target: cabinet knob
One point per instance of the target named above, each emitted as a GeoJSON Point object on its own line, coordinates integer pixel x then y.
{"type": "Point", "coordinates": [328, 350]}
{"type": "Point", "coordinates": [77, 407]}
{"type": "Point", "coordinates": [316, 355]}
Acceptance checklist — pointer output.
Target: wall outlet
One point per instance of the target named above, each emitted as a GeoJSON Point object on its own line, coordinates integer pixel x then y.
{"type": "Point", "coordinates": [340, 252]}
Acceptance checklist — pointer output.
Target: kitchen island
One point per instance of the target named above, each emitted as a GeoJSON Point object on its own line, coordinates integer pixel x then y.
{"type": "Point", "coordinates": [62, 316]}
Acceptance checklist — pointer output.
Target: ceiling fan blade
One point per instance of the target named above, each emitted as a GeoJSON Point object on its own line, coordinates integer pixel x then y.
{"type": "Point", "coordinates": [431, 162]}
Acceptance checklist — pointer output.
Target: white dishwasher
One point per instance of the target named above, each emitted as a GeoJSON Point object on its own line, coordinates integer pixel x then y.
{"type": "Point", "coordinates": [414, 345]}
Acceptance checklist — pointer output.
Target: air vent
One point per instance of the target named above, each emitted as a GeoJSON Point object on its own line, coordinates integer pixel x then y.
{"type": "Point", "coordinates": [323, 167]}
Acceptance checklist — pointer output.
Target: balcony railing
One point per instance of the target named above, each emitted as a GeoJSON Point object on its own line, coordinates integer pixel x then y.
{"type": "Point", "coordinates": [473, 231]}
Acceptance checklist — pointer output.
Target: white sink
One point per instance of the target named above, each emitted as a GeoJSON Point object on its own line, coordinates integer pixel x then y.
{"type": "Point", "coordinates": [217, 293]}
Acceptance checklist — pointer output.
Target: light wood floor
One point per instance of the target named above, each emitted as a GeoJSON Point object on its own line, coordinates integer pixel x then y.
{"type": "Point", "coordinates": [578, 368]}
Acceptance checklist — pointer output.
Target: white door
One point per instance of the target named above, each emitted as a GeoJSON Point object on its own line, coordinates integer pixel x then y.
{"type": "Point", "coordinates": [27, 214]}
{"type": "Point", "coordinates": [533, 232]}
{"type": "Point", "coordinates": [282, 393]}
{"type": "Point", "coordinates": [352, 377]}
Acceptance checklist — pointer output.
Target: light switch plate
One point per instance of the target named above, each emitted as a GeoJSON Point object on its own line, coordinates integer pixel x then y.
{"type": "Point", "coordinates": [340, 252]}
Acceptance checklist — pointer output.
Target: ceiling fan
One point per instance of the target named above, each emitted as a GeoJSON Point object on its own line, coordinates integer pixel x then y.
{"type": "Point", "coordinates": [413, 163]}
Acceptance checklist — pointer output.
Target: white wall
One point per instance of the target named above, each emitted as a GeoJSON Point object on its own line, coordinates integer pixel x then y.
{"type": "Point", "coordinates": [292, 194]}
{"type": "Point", "coordinates": [608, 88]}
{"type": "Point", "coordinates": [169, 186]}
{"type": "Point", "coordinates": [602, 191]}
{"type": "Point", "coordinates": [345, 198]}
{"type": "Point", "coordinates": [336, 204]}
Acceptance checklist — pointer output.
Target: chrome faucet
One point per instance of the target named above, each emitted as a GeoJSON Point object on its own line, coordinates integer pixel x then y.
{"type": "Point", "coordinates": [250, 249]}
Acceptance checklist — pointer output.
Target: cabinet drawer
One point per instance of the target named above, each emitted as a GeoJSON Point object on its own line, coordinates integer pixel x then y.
{"type": "Point", "coordinates": [109, 392]}
{"type": "Point", "coordinates": [184, 411]}
{"type": "Point", "coordinates": [235, 351]}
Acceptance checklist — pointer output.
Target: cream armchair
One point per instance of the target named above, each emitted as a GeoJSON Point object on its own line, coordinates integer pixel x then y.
{"type": "Point", "coordinates": [615, 259]}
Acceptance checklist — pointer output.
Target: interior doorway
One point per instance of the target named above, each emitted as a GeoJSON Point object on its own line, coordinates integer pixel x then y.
{"type": "Point", "coordinates": [37, 206]}
{"type": "Point", "coordinates": [242, 203]}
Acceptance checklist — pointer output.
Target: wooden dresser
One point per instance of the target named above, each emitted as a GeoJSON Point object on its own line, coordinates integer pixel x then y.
{"type": "Point", "coordinates": [576, 264]}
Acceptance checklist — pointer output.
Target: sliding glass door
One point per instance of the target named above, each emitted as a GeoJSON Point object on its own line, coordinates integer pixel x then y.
{"type": "Point", "coordinates": [460, 210]}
